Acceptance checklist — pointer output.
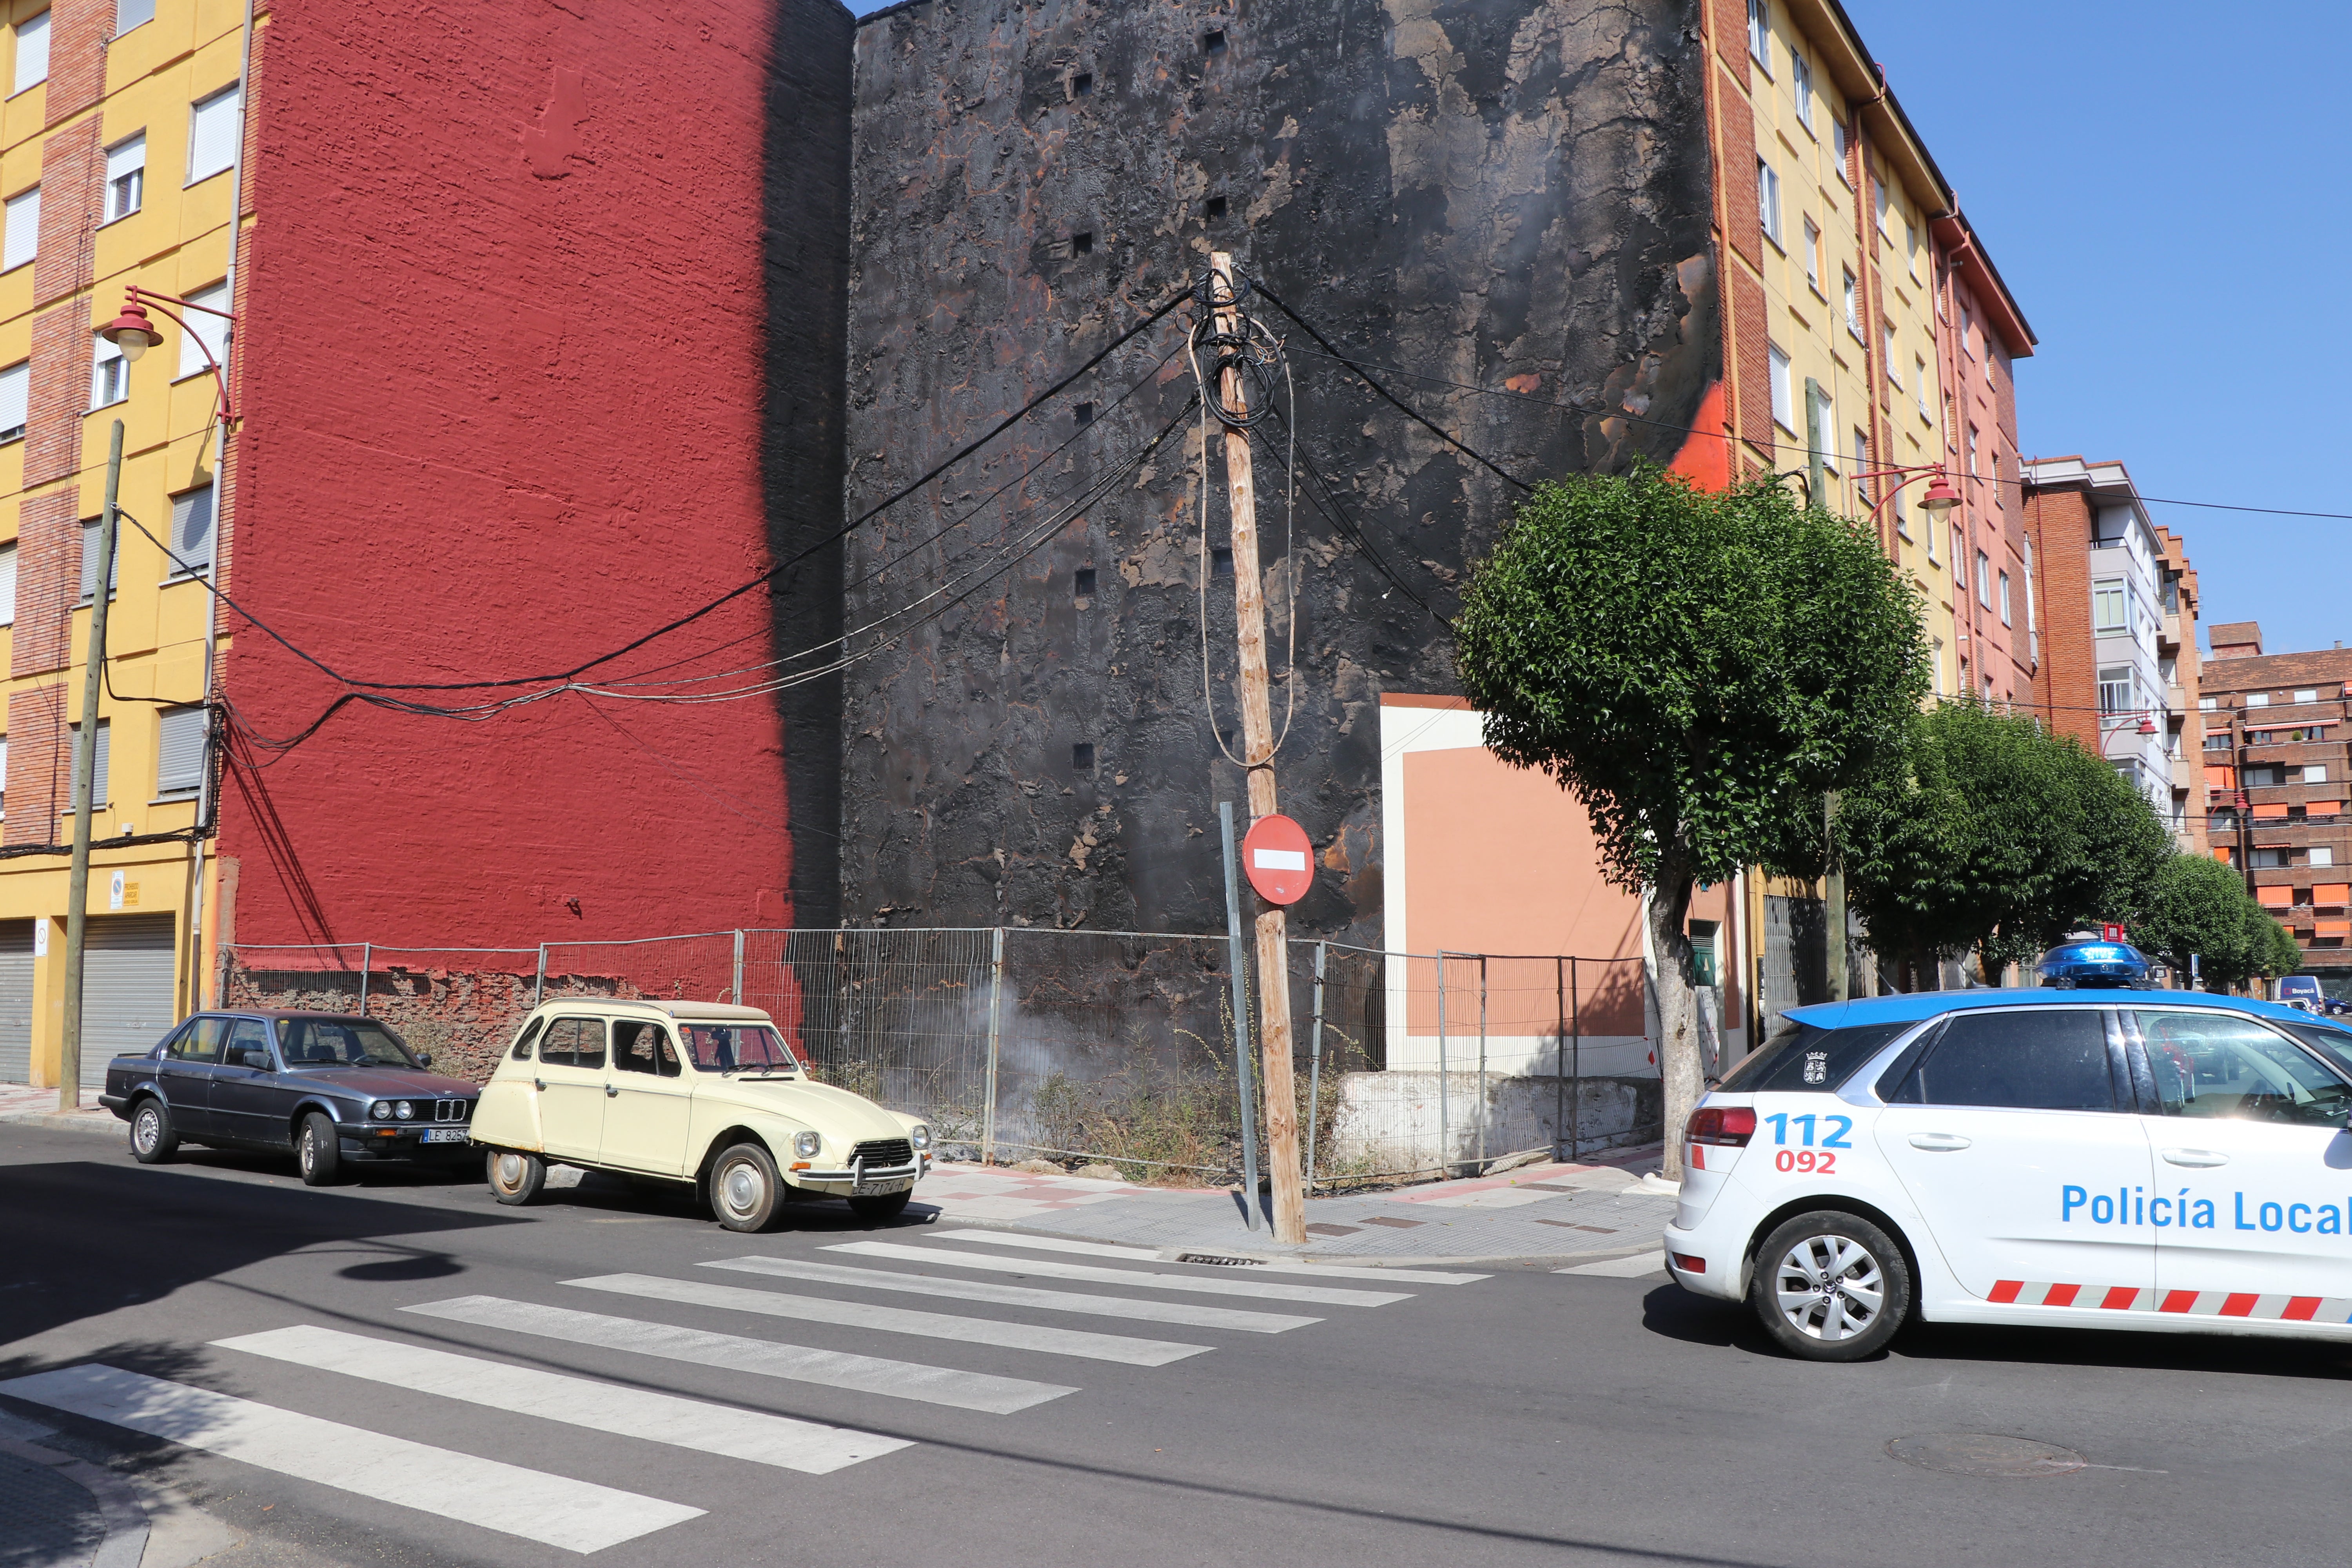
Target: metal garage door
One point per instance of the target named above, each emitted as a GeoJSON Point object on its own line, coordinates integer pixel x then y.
{"type": "Point", "coordinates": [15, 1001]}
{"type": "Point", "coordinates": [128, 1000]}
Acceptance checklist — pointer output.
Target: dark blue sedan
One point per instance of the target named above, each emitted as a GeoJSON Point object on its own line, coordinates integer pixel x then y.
{"type": "Point", "coordinates": [333, 1090]}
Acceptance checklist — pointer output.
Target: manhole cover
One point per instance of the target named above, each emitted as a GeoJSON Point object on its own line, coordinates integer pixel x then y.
{"type": "Point", "coordinates": [1217, 1259]}
{"type": "Point", "coordinates": [1983, 1454]}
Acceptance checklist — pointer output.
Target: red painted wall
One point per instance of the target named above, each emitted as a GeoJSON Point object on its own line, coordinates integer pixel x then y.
{"type": "Point", "coordinates": [503, 388]}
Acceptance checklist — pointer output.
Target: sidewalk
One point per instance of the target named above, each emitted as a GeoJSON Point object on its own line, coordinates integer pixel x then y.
{"type": "Point", "coordinates": [1551, 1210]}
{"type": "Point", "coordinates": [29, 1107]}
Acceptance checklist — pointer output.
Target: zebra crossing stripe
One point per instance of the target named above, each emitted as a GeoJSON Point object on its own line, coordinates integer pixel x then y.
{"type": "Point", "coordinates": [766, 1357]}
{"type": "Point", "coordinates": [750, 1434]}
{"type": "Point", "coordinates": [1220, 1286]}
{"type": "Point", "coordinates": [1187, 1314]}
{"type": "Point", "coordinates": [896, 1320]}
{"type": "Point", "coordinates": [1256, 1266]}
{"type": "Point", "coordinates": [554, 1511]}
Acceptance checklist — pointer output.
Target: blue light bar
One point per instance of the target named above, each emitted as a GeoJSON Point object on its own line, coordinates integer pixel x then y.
{"type": "Point", "coordinates": [2114, 965]}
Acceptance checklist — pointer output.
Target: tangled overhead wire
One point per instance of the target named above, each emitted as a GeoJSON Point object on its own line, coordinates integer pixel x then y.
{"type": "Point", "coordinates": [1237, 342]}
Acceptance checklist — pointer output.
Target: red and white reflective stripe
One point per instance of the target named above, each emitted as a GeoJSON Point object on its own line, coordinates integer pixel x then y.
{"type": "Point", "coordinates": [2188, 1303]}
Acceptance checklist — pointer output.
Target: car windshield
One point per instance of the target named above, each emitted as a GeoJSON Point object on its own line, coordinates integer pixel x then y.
{"type": "Point", "coordinates": [341, 1043]}
{"type": "Point", "coordinates": [730, 1047]}
{"type": "Point", "coordinates": [2336, 1045]}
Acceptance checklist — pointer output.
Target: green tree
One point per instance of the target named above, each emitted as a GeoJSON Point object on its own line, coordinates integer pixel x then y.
{"type": "Point", "coordinates": [1698, 668]}
{"type": "Point", "coordinates": [1986, 834]}
{"type": "Point", "coordinates": [2276, 950]}
{"type": "Point", "coordinates": [2197, 906]}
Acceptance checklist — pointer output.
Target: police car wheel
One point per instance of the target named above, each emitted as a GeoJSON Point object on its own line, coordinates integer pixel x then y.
{"type": "Point", "coordinates": [1830, 1286]}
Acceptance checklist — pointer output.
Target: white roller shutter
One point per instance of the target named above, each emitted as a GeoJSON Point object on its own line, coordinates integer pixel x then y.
{"type": "Point", "coordinates": [128, 1000]}
{"type": "Point", "coordinates": [15, 1001]}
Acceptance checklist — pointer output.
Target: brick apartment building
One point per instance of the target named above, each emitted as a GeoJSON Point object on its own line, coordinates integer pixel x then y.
{"type": "Point", "coordinates": [2120, 672]}
{"type": "Point", "coordinates": [2278, 755]}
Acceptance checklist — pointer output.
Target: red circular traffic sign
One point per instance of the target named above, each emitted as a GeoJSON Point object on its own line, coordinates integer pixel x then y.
{"type": "Point", "coordinates": [1278, 860]}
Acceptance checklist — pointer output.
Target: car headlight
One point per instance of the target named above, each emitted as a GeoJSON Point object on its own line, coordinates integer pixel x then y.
{"type": "Point", "coordinates": [404, 1110]}
{"type": "Point", "coordinates": [806, 1144]}
{"type": "Point", "coordinates": [381, 1111]}
{"type": "Point", "coordinates": [921, 1137]}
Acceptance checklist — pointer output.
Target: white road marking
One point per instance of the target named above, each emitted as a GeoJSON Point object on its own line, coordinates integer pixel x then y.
{"type": "Point", "coordinates": [1154, 1255]}
{"type": "Point", "coordinates": [755, 1436]}
{"type": "Point", "coordinates": [1219, 1286]}
{"type": "Point", "coordinates": [896, 1320]}
{"type": "Point", "coordinates": [1142, 1311]}
{"type": "Point", "coordinates": [1631, 1267]}
{"type": "Point", "coordinates": [555, 1510]}
{"type": "Point", "coordinates": [767, 1358]}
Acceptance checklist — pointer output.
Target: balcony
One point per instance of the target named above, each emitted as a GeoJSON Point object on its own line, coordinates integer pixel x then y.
{"type": "Point", "coordinates": [2168, 632]}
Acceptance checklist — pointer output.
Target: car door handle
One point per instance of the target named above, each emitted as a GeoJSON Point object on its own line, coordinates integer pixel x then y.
{"type": "Point", "coordinates": [611, 1090]}
{"type": "Point", "coordinates": [2196, 1158]}
{"type": "Point", "coordinates": [538, 1083]}
{"type": "Point", "coordinates": [1939, 1143]}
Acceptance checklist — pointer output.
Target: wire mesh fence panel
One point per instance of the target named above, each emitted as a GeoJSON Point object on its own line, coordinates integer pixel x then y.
{"type": "Point", "coordinates": [694, 968]}
{"type": "Point", "coordinates": [898, 1016]}
{"type": "Point", "coordinates": [458, 1006]}
{"type": "Point", "coordinates": [1118, 1046]}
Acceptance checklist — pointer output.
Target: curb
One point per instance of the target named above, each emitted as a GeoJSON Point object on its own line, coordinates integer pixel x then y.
{"type": "Point", "coordinates": [104, 1124]}
{"type": "Point", "coordinates": [1167, 1254]}
{"type": "Point", "coordinates": [118, 1505]}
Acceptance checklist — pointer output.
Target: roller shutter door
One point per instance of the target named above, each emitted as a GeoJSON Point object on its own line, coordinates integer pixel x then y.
{"type": "Point", "coordinates": [128, 1000]}
{"type": "Point", "coordinates": [15, 1001]}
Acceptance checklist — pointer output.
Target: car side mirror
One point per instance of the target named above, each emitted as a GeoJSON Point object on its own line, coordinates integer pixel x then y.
{"type": "Point", "coordinates": [253, 1056]}
{"type": "Point", "coordinates": [424, 1059]}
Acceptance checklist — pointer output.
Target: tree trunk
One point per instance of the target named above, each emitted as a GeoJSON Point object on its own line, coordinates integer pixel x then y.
{"type": "Point", "coordinates": [1679, 1066]}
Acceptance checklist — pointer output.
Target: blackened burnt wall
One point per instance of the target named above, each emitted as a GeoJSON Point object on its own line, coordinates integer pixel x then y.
{"type": "Point", "coordinates": [1505, 193]}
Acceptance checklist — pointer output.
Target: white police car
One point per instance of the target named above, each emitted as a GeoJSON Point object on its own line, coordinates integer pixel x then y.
{"type": "Point", "coordinates": [2088, 1158]}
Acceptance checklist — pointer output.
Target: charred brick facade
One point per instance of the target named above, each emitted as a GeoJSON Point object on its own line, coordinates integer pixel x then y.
{"type": "Point", "coordinates": [1506, 193]}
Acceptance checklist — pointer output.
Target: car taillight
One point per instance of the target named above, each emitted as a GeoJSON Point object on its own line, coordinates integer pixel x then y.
{"type": "Point", "coordinates": [1729, 1125]}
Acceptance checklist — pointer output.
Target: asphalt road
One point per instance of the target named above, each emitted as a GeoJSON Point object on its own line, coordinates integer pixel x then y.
{"type": "Point", "coordinates": [1524, 1418]}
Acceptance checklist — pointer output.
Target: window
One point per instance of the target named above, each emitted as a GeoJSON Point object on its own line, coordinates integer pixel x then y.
{"type": "Point", "coordinates": [1957, 555]}
{"type": "Point", "coordinates": [2323, 856]}
{"type": "Point", "coordinates": [2258, 698]}
{"type": "Point", "coordinates": [644, 1047]}
{"type": "Point", "coordinates": [15, 386]}
{"type": "Point", "coordinates": [1805, 1058]}
{"type": "Point", "coordinates": [201, 1040]}
{"type": "Point", "coordinates": [110, 374]}
{"type": "Point", "coordinates": [1990, 355]}
{"type": "Point", "coordinates": [179, 751]}
{"type": "Point", "coordinates": [530, 1037]}
{"type": "Point", "coordinates": [32, 52]}
{"type": "Point", "coordinates": [573, 1043]}
{"type": "Point", "coordinates": [2021, 1059]}
{"type": "Point", "coordinates": [20, 237]}
{"type": "Point", "coordinates": [2215, 1065]}
{"type": "Point", "coordinates": [2115, 690]}
{"type": "Point", "coordinates": [213, 124]}
{"type": "Point", "coordinates": [1935, 656]}
{"type": "Point", "coordinates": [2032, 626]}
{"type": "Point", "coordinates": [1853, 306]}
{"type": "Point", "coordinates": [2217, 743]}
{"type": "Point", "coordinates": [1929, 534]}
{"type": "Point", "coordinates": [192, 532]}
{"type": "Point", "coordinates": [2315, 772]}
{"type": "Point", "coordinates": [90, 563]}
{"type": "Point", "coordinates": [1919, 382]}
{"type": "Point", "coordinates": [1760, 33]}
{"type": "Point", "coordinates": [130, 14]}
{"type": "Point", "coordinates": [1974, 472]}
{"type": "Point", "coordinates": [2108, 611]}
{"type": "Point", "coordinates": [2004, 599]}
{"type": "Point", "coordinates": [1812, 256]}
{"type": "Point", "coordinates": [1878, 200]}
{"type": "Point", "coordinates": [7, 585]}
{"type": "Point", "coordinates": [1861, 463]}
{"type": "Point", "coordinates": [1984, 580]}
{"type": "Point", "coordinates": [1768, 200]}
{"type": "Point", "coordinates": [204, 332]}
{"type": "Point", "coordinates": [1839, 140]}
{"type": "Point", "coordinates": [2268, 860]}
{"type": "Point", "coordinates": [1825, 422]}
{"type": "Point", "coordinates": [1911, 246]}
{"type": "Point", "coordinates": [1886, 350]}
{"type": "Point", "coordinates": [1800, 82]}
{"type": "Point", "coordinates": [2208, 705]}
{"type": "Point", "coordinates": [2308, 694]}
{"type": "Point", "coordinates": [98, 795]}
{"type": "Point", "coordinates": [1784, 397]}
{"type": "Point", "coordinates": [126, 177]}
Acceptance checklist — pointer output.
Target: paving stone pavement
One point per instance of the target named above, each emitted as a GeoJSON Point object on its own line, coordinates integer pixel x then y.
{"type": "Point", "coordinates": [1549, 1210]}
{"type": "Point", "coordinates": [46, 1519]}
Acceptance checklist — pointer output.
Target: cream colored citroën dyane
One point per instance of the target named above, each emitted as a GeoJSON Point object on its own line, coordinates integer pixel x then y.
{"type": "Point", "coordinates": [690, 1092]}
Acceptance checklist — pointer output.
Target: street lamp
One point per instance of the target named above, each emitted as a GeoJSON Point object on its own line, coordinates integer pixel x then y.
{"type": "Point", "coordinates": [1938, 500]}
{"type": "Point", "coordinates": [134, 334]}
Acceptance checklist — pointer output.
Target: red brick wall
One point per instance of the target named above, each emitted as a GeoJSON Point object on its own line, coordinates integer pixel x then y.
{"type": "Point", "coordinates": [1743, 223]}
{"type": "Point", "coordinates": [2069, 685]}
{"type": "Point", "coordinates": [79, 31]}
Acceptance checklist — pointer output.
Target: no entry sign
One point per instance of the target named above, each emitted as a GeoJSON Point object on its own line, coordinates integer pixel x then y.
{"type": "Point", "coordinates": [1278, 860]}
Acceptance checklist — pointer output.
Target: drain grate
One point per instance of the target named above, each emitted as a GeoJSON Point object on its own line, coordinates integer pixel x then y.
{"type": "Point", "coordinates": [1218, 1258]}
{"type": "Point", "coordinates": [1986, 1454]}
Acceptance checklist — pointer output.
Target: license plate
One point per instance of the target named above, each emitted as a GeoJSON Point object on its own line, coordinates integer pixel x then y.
{"type": "Point", "coordinates": [880, 1189]}
{"type": "Point", "coordinates": [444, 1135]}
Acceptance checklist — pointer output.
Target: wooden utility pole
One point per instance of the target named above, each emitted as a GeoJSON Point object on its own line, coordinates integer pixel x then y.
{"type": "Point", "coordinates": [1257, 751]}
{"type": "Point", "coordinates": [85, 782]}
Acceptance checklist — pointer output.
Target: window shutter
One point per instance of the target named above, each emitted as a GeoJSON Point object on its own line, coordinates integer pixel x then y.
{"type": "Point", "coordinates": [7, 585]}
{"type": "Point", "coordinates": [98, 795]}
{"type": "Point", "coordinates": [204, 332]}
{"type": "Point", "coordinates": [192, 530]}
{"type": "Point", "coordinates": [127, 158]}
{"type": "Point", "coordinates": [179, 751]}
{"type": "Point", "coordinates": [211, 135]}
{"type": "Point", "coordinates": [130, 14]}
{"type": "Point", "coordinates": [23, 233]}
{"type": "Point", "coordinates": [15, 384]}
{"type": "Point", "coordinates": [32, 52]}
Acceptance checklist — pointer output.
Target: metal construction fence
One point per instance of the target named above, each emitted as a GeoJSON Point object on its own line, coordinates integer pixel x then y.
{"type": "Point", "coordinates": [1117, 1046]}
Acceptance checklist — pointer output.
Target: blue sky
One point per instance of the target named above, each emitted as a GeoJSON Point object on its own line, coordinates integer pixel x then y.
{"type": "Point", "coordinates": [2159, 188]}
